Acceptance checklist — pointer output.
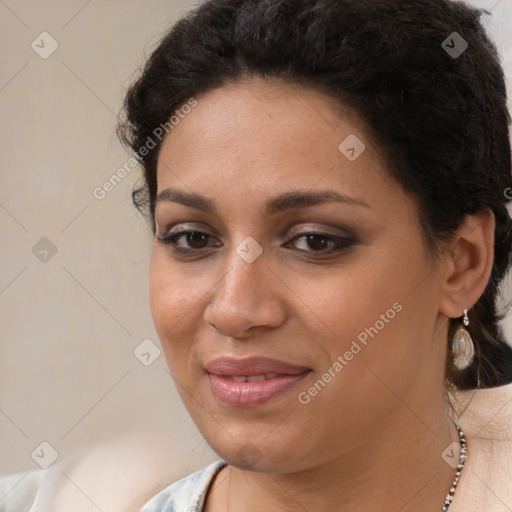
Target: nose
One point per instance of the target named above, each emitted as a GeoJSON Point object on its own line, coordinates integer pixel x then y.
{"type": "Point", "coordinates": [248, 296]}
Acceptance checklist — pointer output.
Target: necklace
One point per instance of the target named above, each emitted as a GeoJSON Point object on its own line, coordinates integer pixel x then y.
{"type": "Point", "coordinates": [460, 467]}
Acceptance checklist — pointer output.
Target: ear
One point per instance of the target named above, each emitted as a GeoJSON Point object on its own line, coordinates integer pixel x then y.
{"type": "Point", "coordinates": [468, 263]}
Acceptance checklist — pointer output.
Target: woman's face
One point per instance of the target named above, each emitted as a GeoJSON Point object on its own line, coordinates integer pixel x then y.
{"type": "Point", "coordinates": [349, 316]}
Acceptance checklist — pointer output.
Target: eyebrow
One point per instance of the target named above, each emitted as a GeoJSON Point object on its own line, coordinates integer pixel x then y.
{"type": "Point", "coordinates": [292, 200]}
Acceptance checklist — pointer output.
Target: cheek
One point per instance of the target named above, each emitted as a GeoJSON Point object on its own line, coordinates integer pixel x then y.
{"type": "Point", "coordinates": [173, 306]}
{"type": "Point", "coordinates": [173, 290]}
{"type": "Point", "coordinates": [372, 319]}
{"type": "Point", "coordinates": [352, 299]}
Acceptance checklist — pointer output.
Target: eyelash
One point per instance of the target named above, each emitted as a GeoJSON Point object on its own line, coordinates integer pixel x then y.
{"type": "Point", "coordinates": [342, 242]}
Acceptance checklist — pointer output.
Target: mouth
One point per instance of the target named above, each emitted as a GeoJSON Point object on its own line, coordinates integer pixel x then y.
{"type": "Point", "coordinates": [251, 382]}
{"type": "Point", "coordinates": [251, 378]}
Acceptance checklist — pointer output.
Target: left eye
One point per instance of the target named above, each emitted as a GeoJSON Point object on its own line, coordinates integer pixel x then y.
{"type": "Point", "coordinates": [196, 241]}
{"type": "Point", "coordinates": [319, 241]}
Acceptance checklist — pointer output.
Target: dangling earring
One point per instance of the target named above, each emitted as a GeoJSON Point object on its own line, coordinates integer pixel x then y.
{"type": "Point", "coordinates": [462, 345]}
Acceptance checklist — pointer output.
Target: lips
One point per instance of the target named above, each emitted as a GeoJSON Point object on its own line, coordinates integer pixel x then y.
{"type": "Point", "coordinates": [250, 366]}
{"type": "Point", "coordinates": [252, 381]}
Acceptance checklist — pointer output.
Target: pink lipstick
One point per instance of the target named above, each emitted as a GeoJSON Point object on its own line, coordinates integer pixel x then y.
{"type": "Point", "coordinates": [252, 381]}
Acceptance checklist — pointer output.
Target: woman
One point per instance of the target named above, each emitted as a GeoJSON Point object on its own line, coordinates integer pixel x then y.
{"type": "Point", "coordinates": [327, 185]}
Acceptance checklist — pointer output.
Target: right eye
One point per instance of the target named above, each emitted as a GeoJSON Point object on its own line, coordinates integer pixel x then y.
{"type": "Point", "coordinates": [194, 239]}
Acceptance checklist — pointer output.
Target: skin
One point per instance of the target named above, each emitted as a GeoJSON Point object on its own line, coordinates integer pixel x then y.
{"type": "Point", "coordinates": [372, 438]}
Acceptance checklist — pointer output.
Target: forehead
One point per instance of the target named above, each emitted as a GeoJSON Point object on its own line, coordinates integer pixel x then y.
{"type": "Point", "coordinates": [258, 137]}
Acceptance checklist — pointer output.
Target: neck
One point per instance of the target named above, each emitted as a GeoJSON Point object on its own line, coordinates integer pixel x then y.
{"type": "Point", "coordinates": [399, 468]}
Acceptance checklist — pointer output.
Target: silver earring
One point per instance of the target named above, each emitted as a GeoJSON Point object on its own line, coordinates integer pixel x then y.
{"type": "Point", "coordinates": [462, 345]}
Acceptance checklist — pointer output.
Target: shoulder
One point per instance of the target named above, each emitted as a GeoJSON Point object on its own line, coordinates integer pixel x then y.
{"type": "Point", "coordinates": [485, 415]}
{"type": "Point", "coordinates": [187, 494]}
{"type": "Point", "coordinates": [18, 491]}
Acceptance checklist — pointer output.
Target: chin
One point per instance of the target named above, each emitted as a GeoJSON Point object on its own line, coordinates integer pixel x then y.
{"type": "Point", "coordinates": [273, 454]}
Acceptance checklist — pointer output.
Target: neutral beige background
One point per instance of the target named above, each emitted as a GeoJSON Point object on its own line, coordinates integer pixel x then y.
{"type": "Point", "coordinates": [69, 326]}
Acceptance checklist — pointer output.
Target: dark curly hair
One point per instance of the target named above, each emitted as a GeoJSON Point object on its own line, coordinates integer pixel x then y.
{"type": "Point", "coordinates": [435, 108]}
